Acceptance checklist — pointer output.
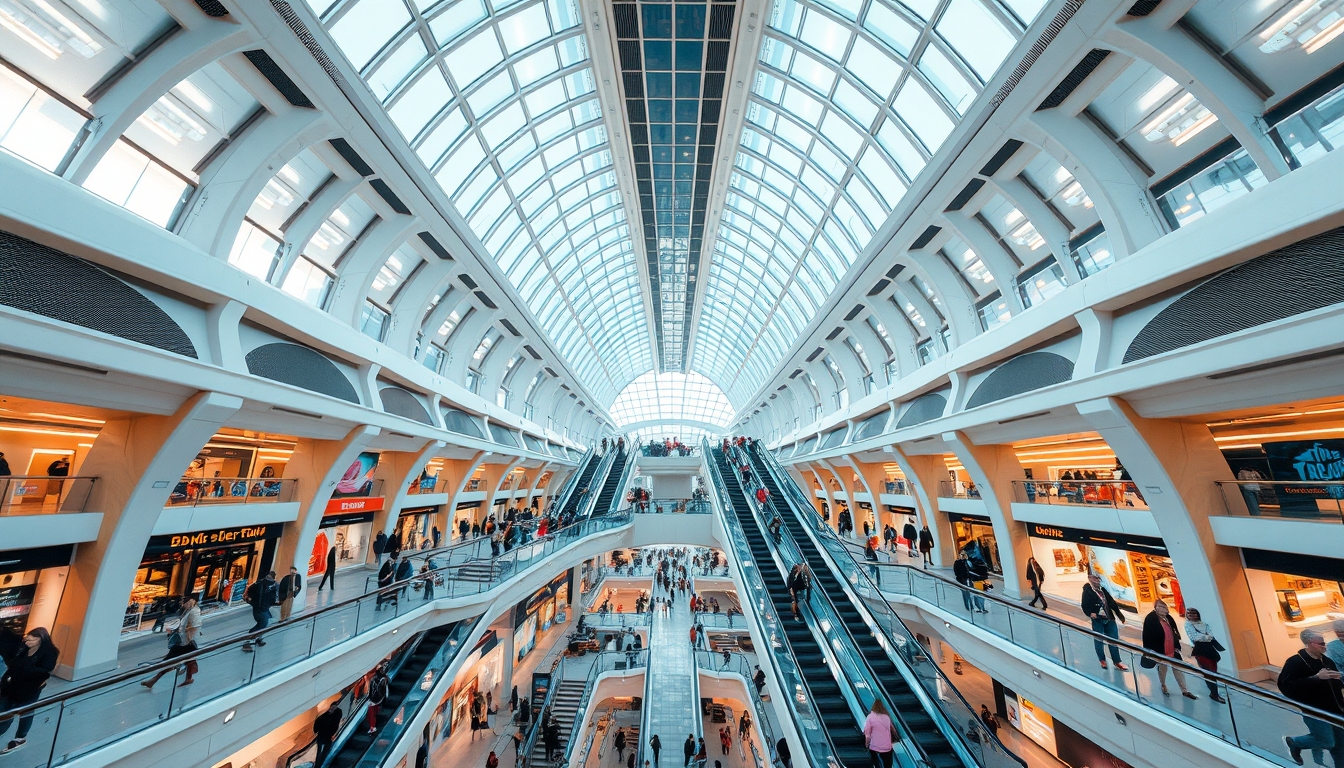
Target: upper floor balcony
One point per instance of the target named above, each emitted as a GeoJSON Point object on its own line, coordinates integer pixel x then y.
{"type": "Point", "coordinates": [44, 495]}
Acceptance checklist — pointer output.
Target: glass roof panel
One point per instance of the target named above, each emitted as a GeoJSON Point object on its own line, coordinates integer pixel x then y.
{"type": "Point", "coordinates": [502, 115]}
{"type": "Point", "coordinates": [670, 397]}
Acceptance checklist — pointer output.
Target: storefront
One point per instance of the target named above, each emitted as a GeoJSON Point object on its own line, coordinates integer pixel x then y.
{"type": "Point", "coordinates": [32, 582]}
{"type": "Point", "coordinates": [974, 535]}
{"type": "Point", "coordinates": [1134, 569]}
{"type": "Point", "coordinates": [415, 527]}
{"type": "Point", "coordinates": [1293, 592]}
{"type": "Point", "coordinates": [1055, 737]}
{"type": "Point", "coordinates": [481, 671]}
{"type": "Point", "coordinates": [536, 614]}
{"type": "Point", "coordinates": [1314, 467]}
{"type": "Point", "coordinates": [216, 566]}
{"type": "Point", "coordinates": [347, 526]}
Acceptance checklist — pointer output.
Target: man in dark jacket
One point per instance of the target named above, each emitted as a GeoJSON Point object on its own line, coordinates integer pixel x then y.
{"type": "Point", "coordinates": [1310, 678]}
{"type": "Point", "coordinates": [404, 571]}
{"type": "Point", "coordinates": [261, 595]}
{"type": "Point", "coordinates": [961, 571]}
{"type": "Point", "coordinates": [379, 547]}
{"type": "Point", "coordinates": [688, 749]}
{"type": "Point", "coordinates": [926, 545]}
{"type": "Point", "coordinates": [1100, 607]}
{"type": "Point", "coordinates": [386, 575]}
{"type": "Point", "coordinates": [290, 586]}
{"type": "Point", "coordinates": [378, 689]}
{"type": "Point", "coordinates": [551, 737]}
{"type": "Point", "coordinates": [325, 728]}
{"type": "Point", "coordinates": [655, 744]}
{"type": "Point", "coordinates": [910, 535]}
{"type": "Point", "coordinates": [979, 581]}
{"type": "Point", "coordinates": [329, 575]}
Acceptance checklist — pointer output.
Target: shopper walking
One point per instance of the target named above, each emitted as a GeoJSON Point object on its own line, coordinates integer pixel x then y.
{"type": "Point", "coordinates": [261, 595]}
{"type": "Point", "coordinates": [551, 737]}
{"type": "Point", "coordinates": [329, 575]}
{"type": "Point", "coordinates": [378, 688]}
{"type": "Point", "coordinates": [619, 744]}
{"type": "Point", "coordinates": [182, 641]}
{"type": "Point", "coordinates": [1250, 488]}
{"type": "Point", "coordinates": [688, 748]}
{"type": "Point", "coordinates": [911, 536]}
{"type": "Point", "coordinates": [879, 735]}
{"type": "Point", "coordinates": [1311, 678]}
{"type": "Point", "coordinates": [1206, 649]}
{"type": "Point", "coordinates": [386, 575]}
{"type": "Point", "coordinates": [961, 571]}
{"type": "Point", "coordinates": [325, 728]}
{"type": "Point", "coordinates": [1101, 608]}
{"type": "Point", "coordinates": [744, 727]}
{"type": "Point", "coordinates": [1036, 578]}
{"type": "Point", "coordinates": [926, 545]}
{"type": "Point", "coordinates": [379, 547]}
{"type": "Point", "coordinates": [655, 744]}
{"type": "Point", "coordinates": [28, 664]}
{"type": "Point", "coordinates": [980, 582]}
{"type": "Point", "coordinates": [290, 586]}
{"type": "Point", "coordinates": [1161, 635]}
{"type": "Point", "coordinates": [427, 579]}
{"type": "Point", "coordinates": [991, 722]}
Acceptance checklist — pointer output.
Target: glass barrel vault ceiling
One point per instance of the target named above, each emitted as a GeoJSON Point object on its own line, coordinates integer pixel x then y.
{"type": "Point", "coordinates": [849, 100]}
{"type": "Point", "coordinates": [498, 100]}
{"type": "Point", "coordinates": [673, 61]}
{"type": "Point", "coordinates": [669, 399]}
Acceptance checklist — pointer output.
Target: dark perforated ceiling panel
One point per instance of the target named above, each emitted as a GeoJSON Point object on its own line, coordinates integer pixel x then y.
{"type": "Point", "coordinates": [1022, 374]}
{"type": "Point", "coordinates": [923, 408]}
{"type": "Point", "coordinates": [1297, 278]}
{"type": "Point", "coordinates": [51, 283]}
{"type": "Point", "coordinates": [301, 367]}
{"type": "Point", "coordinates": [400, 402]}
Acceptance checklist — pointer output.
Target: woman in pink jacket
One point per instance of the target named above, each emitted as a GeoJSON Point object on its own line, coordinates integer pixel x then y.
{"type": "Point", "coordinates": [879, 735]}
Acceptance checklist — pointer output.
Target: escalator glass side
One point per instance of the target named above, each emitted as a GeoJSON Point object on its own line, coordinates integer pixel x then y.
{"type": "Point", "coordinates": [955, 714]}
{"type": "Point", "coordinates": [822, 717]}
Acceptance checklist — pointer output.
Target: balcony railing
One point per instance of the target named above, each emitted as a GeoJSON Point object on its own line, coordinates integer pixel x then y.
{"type": "Point", "coordinates": [1318, 502]}
{"type": "Point", "coordinates": [44, 495]}
{"type": "Point", "coordinates": [897, 487]}
{"type": "Point", "coordinates": [731, 619]}
{"type": "Point", "coordinates": [672, 506]}
{"type": "Point", "coordinates": [948, 489]}
{"type": "Point", "coordinates": [474, 484]}
{"type": "Point", "coordinates": [79, 721]}
{"type": "Point", "coordinates": [425, 484]}
{"type": "Point", "coordinates": [195, 491]}
{"type": "Point", "coordinates": [1081, 493]}
{"type": "Point", "coordinates": [658, 450]}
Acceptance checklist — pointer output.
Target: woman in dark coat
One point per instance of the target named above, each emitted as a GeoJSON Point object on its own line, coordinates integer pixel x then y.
{"type": "Point", "coordinates": [28, 664]}
{"type": "Point", "coordinates": [1160, 635]}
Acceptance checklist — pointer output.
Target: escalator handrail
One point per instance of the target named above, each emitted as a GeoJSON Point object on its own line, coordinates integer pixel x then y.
{"type": "Point", "coordinates": [461, 630]}
{"type": "Point", "coordinates": [830, 613]}
{"type": "Point", "coordinates": [985, 735]}
{"type": "Point", "coordinates": [1242, 688]}
{"type": "Point", "coordinates": [587, 504]}
{"type": "Point", "coordinates": [761, 595]}
{"type": "Point", "coordinates": [534, 729]}
{"type": "Point", "coordinates": [581, 716]}
{"type": "Point", "coordinates": [558, 501]}
{"type": "Point", "coordinates": [619, 498]}
{"type": "Point", "coordinates": [757, 703]}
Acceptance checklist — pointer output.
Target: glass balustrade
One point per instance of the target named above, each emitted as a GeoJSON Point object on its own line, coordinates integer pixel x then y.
{"type": "Point", "coordinates": [1083, 493]}
{"type": "Point", "coordinates": [196, 491]}
{"type": "Point", "coordinates": [43, 495]}
{"type": "Point", "coordinates": [1320, 502]}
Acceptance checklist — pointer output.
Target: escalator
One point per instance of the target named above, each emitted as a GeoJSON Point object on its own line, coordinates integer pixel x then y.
{"type": "Point", "coordinates": [433, 651]}
{"type": "Point", "coordinates": [612, 485]}
{"type": "Point", "coordinates": [843, 730]}
{"type": "Point", "coordinates": [576, 497]}
{"type": "Point", "coordinates": [923, 728]}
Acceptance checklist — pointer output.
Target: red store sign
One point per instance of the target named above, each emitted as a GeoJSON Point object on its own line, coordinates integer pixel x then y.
{"type": "Point", "coordinates": [349, 505]}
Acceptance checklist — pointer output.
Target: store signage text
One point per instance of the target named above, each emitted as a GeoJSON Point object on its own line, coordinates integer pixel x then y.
{"type": "Point", "coordinates": [358, 504]}
{"type": "Point", "coordinates": [209, 538]}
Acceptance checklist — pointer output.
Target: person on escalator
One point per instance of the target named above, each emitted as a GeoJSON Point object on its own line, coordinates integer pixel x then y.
{"type": "Point", "coordinates": [879, 735]}
{"type": "Point", "coordinates": [774, 526]}
{"type": "Point", "coordinates": [782, 753]}
{"type": "Point", "coordinates": [759, 679]}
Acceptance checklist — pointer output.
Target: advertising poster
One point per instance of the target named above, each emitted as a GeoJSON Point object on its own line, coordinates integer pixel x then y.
{"type": "Point", "coordinates": [1037, 725]}
{"type": "Point", "coordinates": [1076, 749]}
{"type": "Point", "coordinates": [1116, 575]}
{"type": "Point", "coordinates": [15, 604]}
{"type": "Point", "coordinates": [317, 560]}
{"type": "Point", "coordinates": [1307, 461]}
{"type": "Point", "coordinates": [358, 478]}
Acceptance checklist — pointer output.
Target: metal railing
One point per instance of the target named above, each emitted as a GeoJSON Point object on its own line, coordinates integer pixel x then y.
{"type": "Point", "coordinates": [1318, 502]}
{"type": "Point", "coordinates": [425, 484]}
{"type": "Point", "coordinates": [730, 619]}
{"type": "Point", "coordinates": [62, 731]}
{"type": "Point", "coordinates": [1083, 493]}
{"type": "Point", "coordinates": [925, 678]}
{"type": "Point", "coordinates": [693, 506]}
{"type": "Point", "coordinates": [44, 495]}
{"type": "Point", "coordinates": [617, 619]}
{"type": "Point", "coordinates": [656, 450]}
{"type": "Point", "coordinates": [1250, 717]}
{"type": "Point", "coordinates": [607, 661]}
{"type": "Point", "coordinates": [896, 487]}
{"type": "Point", "coordinates": [195, 491]}
{"type": "Point", "coordinates": [738, 664]}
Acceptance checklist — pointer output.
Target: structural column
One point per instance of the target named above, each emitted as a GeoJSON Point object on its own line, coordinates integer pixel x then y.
{"type": "Point", "coordinates": [994, 468]}
{"type": "Point", "coordinates": [922, 474]}
{"type": "Point", "coordinates": [137, 461]}
{"type": "Point", "coordinates": [397, 469]}
{"type": "Point", "coordinates": [1176, 464]}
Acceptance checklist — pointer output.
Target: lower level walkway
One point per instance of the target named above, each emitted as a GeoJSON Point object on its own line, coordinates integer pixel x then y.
{"type": "Point", "coordinates": [671, 706]}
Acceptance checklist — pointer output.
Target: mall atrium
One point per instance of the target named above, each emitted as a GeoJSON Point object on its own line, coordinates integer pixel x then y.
{"type": "Point", "coordinates": [401, 383]}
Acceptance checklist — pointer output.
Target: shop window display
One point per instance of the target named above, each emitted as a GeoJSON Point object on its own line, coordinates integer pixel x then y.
{"type": "Point", "coordinates": [1136, 579]}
